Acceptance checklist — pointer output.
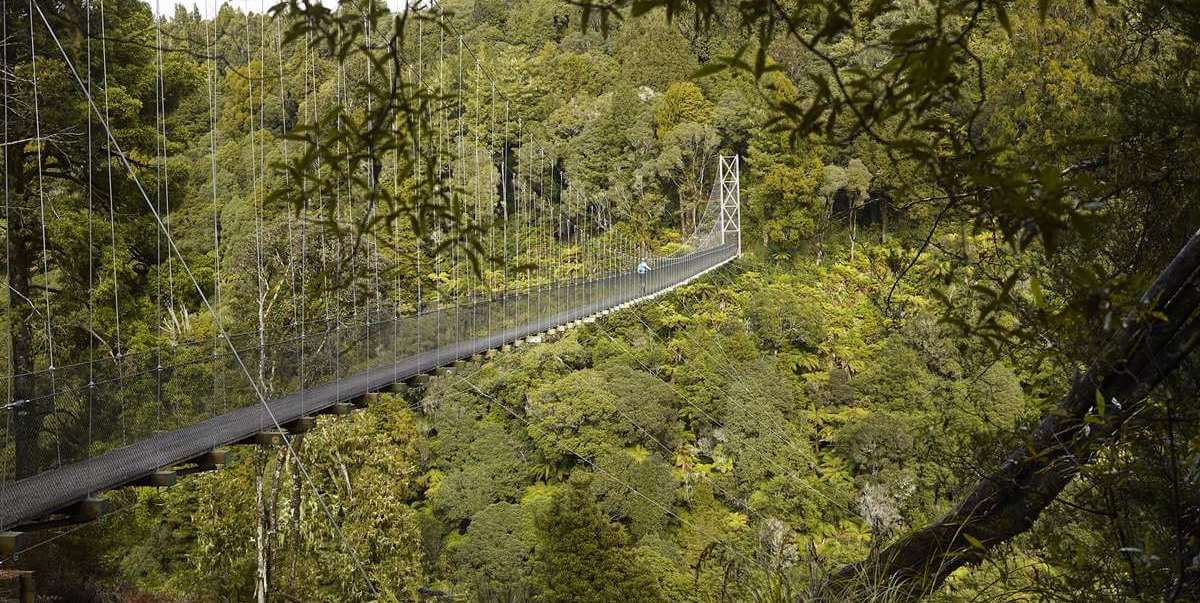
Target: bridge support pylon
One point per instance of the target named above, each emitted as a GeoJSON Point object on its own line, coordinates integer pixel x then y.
{"type": "Point", "coordinates": [209, 461]}
{"type": "Point", "coordinates": [27, 587]}
{"type": "Point", "coordinates": [267, 439]}
{"type": "Point", "coordinates": [158, 479]}
{"type": "Point", "coordinates": [366, 400]}
{"type": "Point", "coordinates": [338, 409]}
{"type": "Point", "coordinates": [83, 511]}
{"type": "Point", "coordinates": [301, 425]}
{"type": "Point", "coordinates": [8, 544]}
{"type": "Point", "coordinates": [729, 174]}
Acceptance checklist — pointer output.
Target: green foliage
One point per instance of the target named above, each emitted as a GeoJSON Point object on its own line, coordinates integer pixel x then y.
{"type": "Point", "coordinates": [587, 411]}
{"type": "Point", "coordinates": [1025, 167]}
{"type": "Point", "coordinates": [580, 556]}
{"type": "Point", "coordinates": [681, 103]}
{"type": "Point", "coordinates": [636, 488]}
{"type": "Point", "coordinates": [493, 557]}
{"type": "Point", "coordinates": [535, 23]}
{"type": "Point", "coordinates": [653, 53]}
{"type": "Point", "coordinates": [479, 464]}
{"type": "Point", "coordinates": [785, 204]}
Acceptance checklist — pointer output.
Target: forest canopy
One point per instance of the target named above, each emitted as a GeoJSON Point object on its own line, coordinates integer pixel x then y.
{"type": "Point", "coordinates": [955, 360]}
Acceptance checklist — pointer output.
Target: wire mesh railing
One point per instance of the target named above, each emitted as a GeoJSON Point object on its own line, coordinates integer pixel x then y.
{"type": "Point", "coordinates": [95, 426]}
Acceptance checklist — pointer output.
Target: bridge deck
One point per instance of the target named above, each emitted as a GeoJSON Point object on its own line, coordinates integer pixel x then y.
{"type": "Point", "coordinates": [34, 497]}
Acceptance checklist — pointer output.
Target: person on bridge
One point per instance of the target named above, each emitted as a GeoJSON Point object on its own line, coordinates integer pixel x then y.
{"type": "Point", "coordinates": [642, 269]}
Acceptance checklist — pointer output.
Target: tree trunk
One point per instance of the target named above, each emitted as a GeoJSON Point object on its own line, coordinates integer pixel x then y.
{"type": "Point", "coordinates": [260, 516]}
{"type": "Point", "coordinates": [1152, 343]}
{"type": "Point", "coordinates": [826, 221]}
{"type": "Point", "coordinates": [272, 516]}
{"type": "Point", "coordinates": [294, 517]}
{"type": "Point", "coordinates": [23, 227]}
{"type": "Point", "coordinates": [883, 216]}
{"type": "Point", "coordinates": [853, 227]}
{"type": "Point", "coordinates": [262, 328]}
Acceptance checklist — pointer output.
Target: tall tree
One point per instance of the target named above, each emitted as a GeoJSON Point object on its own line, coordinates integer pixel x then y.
{"type": "Point", "coordinates": [580, 556]}
{"type": "Point", "coordinates": [688, 152]}
{"type": "Point", "coordinates": [1153, 341]}
{"type": "Point", "coordinates": [858, 185]}
{"type": "Point", "coordinates": [61, 167]}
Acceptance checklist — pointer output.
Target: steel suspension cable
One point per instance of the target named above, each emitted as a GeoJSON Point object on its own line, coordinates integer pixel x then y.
{"type": "Point", "coordinates": [166, 181]}
{"type": "Point", "coordinates": [260, 296]}
{"type": "Point", "coordinates": [494, 179]}
{"type": "Point", "coordinates": [525, 200]}
{"type": "Point", "coordinates": [396, 310]}
{"type": "Point", "coordinates": [328, 298]}
{"type": "Point", "coordinates": [457, 163]}
{"type": "Point", "coordinates": [339, 83]}
{"type": "Point", "coordinates": [520, 200]}
{"type": "Point", "coordinates": [539, 233]}
{"type": "Point", "coordinates": [91, 300]}
{"type": "Point", "coordinates": [418, 171]}
{"type": "Point", "coordinates": [160, 166]}
{"type": "Point", "coordinates": [299, 315]}
{"type": "Point", "coordinates": [173, 247]}
{"type": "Point", "coordinates": [372, 240]}
{"type": "Point", "coordinates": [505, 176]}
{"type": "Point", "coordinates": [439, 151]}
{"type": "Point", "coordinates": [480, 281]}
{"type": "Point", "coordinates": [211, 69]}
{"type": "Point", "coordinates": [10, 384]}
{"type": "Point", "coordinates": [112, 219]}
{"type": "Point", "coordinates": [37, 124]}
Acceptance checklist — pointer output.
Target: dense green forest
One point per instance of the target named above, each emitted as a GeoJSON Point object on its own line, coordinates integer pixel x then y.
{"type": "Point", "coordinates": [955, 361]}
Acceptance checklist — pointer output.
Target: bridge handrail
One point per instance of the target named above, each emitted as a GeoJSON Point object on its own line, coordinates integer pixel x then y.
{"type": "Point", "coordinates": [341, 365]}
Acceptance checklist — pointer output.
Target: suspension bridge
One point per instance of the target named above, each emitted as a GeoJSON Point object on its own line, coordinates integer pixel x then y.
{"type": "Point", "coordinates": [82, 419]}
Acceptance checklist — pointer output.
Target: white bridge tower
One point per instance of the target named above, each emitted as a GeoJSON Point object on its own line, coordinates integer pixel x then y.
{"type": "Point", "coordinates": [728, 171]}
